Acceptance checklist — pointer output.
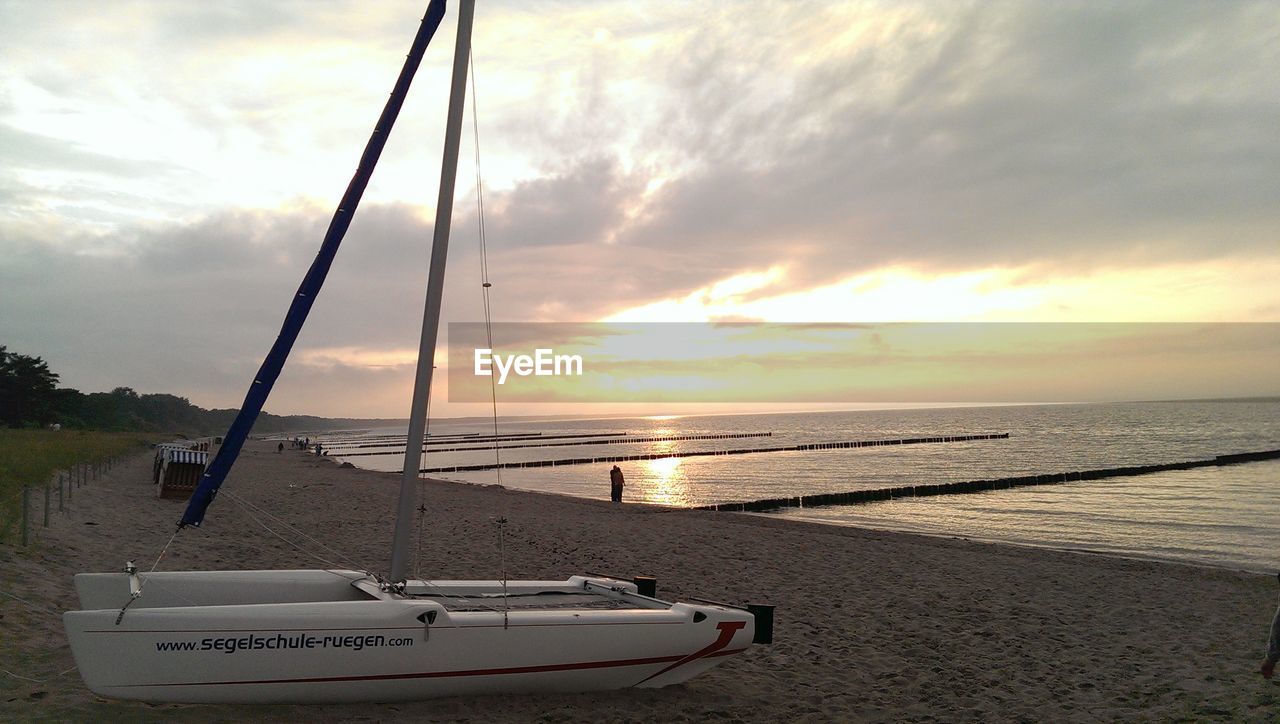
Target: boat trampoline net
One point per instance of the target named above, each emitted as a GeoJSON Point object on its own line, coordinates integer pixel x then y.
{"type": "Point", "coordinates": [542, 600]}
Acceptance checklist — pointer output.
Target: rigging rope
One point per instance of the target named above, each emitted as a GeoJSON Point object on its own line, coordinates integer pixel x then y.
{"type": "Point", "coordinates": [250, 509]}
{"type": "Point", "coordinates": [142, 582]}
{"type": "Point", "coordinates": [422, 487]}
{"type": "Point", "coordinates": [39, 609]}
{"type": "Point", "coordinates": [33, 606]}
{"type": "Point", "coordinates": [44, 681]}
{"type": "Point", "coordinates": [485, 285]}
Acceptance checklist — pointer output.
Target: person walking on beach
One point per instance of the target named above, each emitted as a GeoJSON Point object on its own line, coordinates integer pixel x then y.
{"type": "Point", "coordinates": [616, 484]}
{"type": "Point", "coordinates": [279, 448]}
{"type": "Point", "coordinates": [1273, 647]}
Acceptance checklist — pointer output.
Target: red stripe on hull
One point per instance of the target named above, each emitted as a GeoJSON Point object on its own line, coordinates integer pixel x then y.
{"type": "Point", "coordinates": [726, 628]}
{"type": "Point", "coordinates": [474, 672]}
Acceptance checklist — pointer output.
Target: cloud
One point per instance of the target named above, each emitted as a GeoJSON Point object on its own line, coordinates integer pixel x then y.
{"type": "Point", "coordinates": [583, 204]}
{"type": "Point", "coordinates": [885, 363]}
{"type": "Point", "coordinates": [192, 308]}
{"type": "Point", "coordinates": [1071, 134]}
{"type": "Point", "coordinates": [164, 187]}
{"type": "Point", "coordinates": [22, 150]}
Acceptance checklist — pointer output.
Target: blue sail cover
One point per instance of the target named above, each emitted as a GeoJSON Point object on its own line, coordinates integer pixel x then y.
{"type": "Point", "coordinates": [233, 441]}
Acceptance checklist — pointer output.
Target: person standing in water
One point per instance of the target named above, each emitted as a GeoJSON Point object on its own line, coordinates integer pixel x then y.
{"type": "Point", "coordinates": [616, 484]}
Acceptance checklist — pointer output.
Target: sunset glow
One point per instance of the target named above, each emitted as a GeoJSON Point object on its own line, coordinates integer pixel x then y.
{"type": "Point", "coordinates": [798, 162]}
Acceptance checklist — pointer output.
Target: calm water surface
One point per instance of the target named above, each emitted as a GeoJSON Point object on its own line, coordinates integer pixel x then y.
{"type": "Point", "coordinates": [1227, 516]}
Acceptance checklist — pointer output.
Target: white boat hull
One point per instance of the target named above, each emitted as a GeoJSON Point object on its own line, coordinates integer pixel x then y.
{"type": "Point", "coordinates": [314, 636]}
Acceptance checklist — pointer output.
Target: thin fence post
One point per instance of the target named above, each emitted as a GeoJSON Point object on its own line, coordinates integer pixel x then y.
{"type": "Point", "coordinates": [26, 503]}
{"type": "Point", "coordinates": [71, 485]}
{"type": "Point", "coordinates": [60, 506]}
{"type": "Point", "coordinates": [46, 502]}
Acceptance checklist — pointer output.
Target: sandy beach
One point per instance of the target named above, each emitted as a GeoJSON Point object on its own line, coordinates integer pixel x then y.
{"type": "Point", "coordinates": [870, 626]}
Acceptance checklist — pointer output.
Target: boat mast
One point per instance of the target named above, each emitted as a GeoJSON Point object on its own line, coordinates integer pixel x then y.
{"type": "Point", "coordinates": [311, 284]}
{"type": "Point", "coordinates": [435, 291]}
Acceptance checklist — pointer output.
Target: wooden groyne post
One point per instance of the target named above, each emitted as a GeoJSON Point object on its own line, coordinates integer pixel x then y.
{"type": "Point", "coordinates": [703, 453]}
{"type": "Point", "coordinates": [858, 497]}
{"type": "Point", "coordinates": [537, 442]}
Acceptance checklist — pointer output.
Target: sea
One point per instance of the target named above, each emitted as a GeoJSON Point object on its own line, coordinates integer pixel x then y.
{"type": "Point", "coordinates": [1226, 516]}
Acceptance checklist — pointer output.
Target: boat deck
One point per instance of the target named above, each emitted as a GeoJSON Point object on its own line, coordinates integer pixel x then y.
{"type": "Point", "coordinates": [525, 601]}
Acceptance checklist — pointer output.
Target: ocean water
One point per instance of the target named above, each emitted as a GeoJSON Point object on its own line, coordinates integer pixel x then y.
{"type": "Point", "coordinates": [1225, 516]}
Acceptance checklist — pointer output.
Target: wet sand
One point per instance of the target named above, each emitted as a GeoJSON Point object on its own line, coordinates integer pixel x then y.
{"type": "Point", "coordinates": [871, 626]}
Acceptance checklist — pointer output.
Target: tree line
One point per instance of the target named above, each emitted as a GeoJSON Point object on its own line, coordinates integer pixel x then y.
{"type": "Point", "coordinates": [30, 397]}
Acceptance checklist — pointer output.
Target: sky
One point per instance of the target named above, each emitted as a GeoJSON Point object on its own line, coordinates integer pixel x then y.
{"type": "Point", "coordinates": [168, 169]}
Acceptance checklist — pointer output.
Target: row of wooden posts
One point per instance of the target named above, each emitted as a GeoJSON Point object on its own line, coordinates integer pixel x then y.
{"type": "Point", "coordinates": [469, 439]}
{"type": "Point", "coordinates": [702, 453]}
{"type": "Point", "coordinates": [858, 497]}
{"type": "Point", "coordinates": [575, 443]}
{"type": "Point", "coordinates": [68, 482]}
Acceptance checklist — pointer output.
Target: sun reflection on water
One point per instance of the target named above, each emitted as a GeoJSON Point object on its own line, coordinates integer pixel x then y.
{"type": "Point", "coordinates": [665, 482]}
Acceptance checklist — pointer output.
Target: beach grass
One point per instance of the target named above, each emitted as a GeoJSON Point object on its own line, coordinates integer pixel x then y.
{"type": "Point", "coordinates": [32, 457]}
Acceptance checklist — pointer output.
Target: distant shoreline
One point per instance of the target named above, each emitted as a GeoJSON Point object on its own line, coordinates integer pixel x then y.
{"type": "Point", "coordinates": [384, 423]}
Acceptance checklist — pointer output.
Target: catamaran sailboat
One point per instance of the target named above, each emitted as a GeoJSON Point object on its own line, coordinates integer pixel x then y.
{"type": "Point", "coordinates": [346, 635]}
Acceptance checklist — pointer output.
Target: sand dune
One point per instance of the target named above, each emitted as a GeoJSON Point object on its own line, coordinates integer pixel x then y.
{"type": "Point", "coordinates": [870, 625]}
